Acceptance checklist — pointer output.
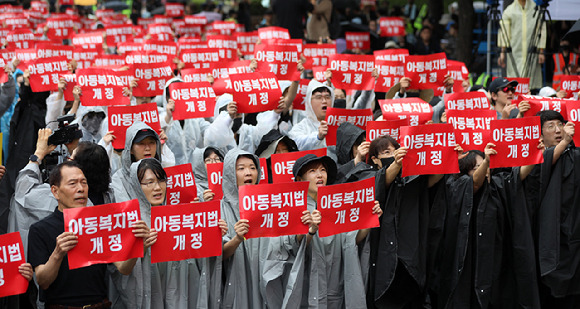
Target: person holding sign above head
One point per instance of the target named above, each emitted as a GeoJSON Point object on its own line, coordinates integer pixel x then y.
{"type": "Point", "coordinates": [502, 93]}
{"type": "Point", "coordinates": [335, 278]}
{"type": "Point", "coordinates": [48, 245]}
{"type": "Point", "coordinates": [260, 272]}
{"type": "Point", "coordinates": [351, 152]}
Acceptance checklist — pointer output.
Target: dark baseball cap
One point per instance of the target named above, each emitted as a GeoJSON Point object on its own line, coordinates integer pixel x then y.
{"type": "Point", "coordinates": [499, 83]}
{"type": "Point", "coordinates": [143, 134]}
{"type": "Point", "coordinates": [325, 160]}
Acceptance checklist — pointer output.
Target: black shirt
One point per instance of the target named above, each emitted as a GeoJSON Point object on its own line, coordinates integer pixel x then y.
{"type": "Point", "coordinates": [77, 287]}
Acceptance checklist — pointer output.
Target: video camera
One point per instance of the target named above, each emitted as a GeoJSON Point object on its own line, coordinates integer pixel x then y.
{"type": "Point", "coordinates": [66, 132]}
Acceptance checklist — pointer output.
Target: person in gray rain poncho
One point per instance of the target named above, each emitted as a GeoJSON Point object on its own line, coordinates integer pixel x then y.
{"type": "Point", "coordinates": [193, 283]}
{"type": "Point", "coordinates": [200, 159]}
{"type": "Point", "coordinates": [351, 151]}
{"type": "Point", "coordinates": [334, 277]}
{"type": "Point", "coordinates": [259, 272]}
{"type": "Point", "coordinates": [310, 133]}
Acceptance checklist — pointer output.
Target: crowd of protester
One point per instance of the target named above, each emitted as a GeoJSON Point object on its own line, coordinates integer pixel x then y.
{"type": "Point", "coordinates": [481, 238]}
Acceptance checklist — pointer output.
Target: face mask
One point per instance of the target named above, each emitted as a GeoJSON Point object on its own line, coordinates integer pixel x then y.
{"type": "Point", "coordinates": [339, 103]}
{"type": "Point", "coordinates": [386, 162]}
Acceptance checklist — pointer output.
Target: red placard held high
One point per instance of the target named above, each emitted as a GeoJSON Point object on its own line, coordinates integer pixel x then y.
{"type": "Point", "coordinates": [45, 72]}
{"type": "Point", "coordinates": [267, 33]}
{"type": "Point", "coordinates": [180, 184]}
{"type": "Point", "coordinates": [516, 142]}
{"type": "Point", "coordinates": [102, 87]}
{"type": "Point", "coordinates": [152, 78]}
{"type": "Point", "coordinates": [105, 233]}
{"type": "Point", "coordinates": [573, 114]}
{"type": "Point", "coordinates": [282, 163]}
{"type": "Point", "coordinates": [430, 150]}
{"type": "Point", "coordinates": [255, 92]}
{"type": "Point", "coordinates": [11, 257]}
{"type": "Point", "coordinates": [416, 110]}
{"type": "Point", "coordinates": [472, 127]}
{"type": "Point", "coordinates": [395, 54]}
{"type": "Point", "coordinates": [186, 231]}
{"type": "Point", "coordinates": [336, 116]}
{"type": "Point", "coordinates": [570, 84]}
{"type": "Point", "coordinates": [426, 72]}
{"type": "Point", "coordinates": [192, 100]}
{"type": "Point", "coordinates": [352, 71]}
{"type": "Point", "coordinates": [281, 60]}
{"type": "Point", "coordinates": [299, 102]}
{"type": "Point", "coordinates": [317, 54]}
{"type": "Point", "coordinates": [214, 179]}
{"type": "Point", "coordinates": [347, 207]}
{"type": "Point", "coordinates": [474, 100]}
{"type": "Point", "coordinates": [358, 40]}
{"type": "Point", "coordinates": [522, 88]}
{"type": "Point", "coordinates": [274, 209]}
{"type": "Point", "coordinates": [247, 41]}
{"type": "Point", "coordinates": [385, 127]}
{"type": "Point", "coordinates": [538, 104]}
{"type": "Point", "coordinates": [122, 117]}
{"type": "Point", "coordinates": [390, 72]}
{"type": "Point", "coordinates": [392, 26]}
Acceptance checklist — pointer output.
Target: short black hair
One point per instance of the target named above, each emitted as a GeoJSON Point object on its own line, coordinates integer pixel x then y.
{"type": "Point", "coordinates": [153, 165]}
{"type": "Point", "coordinates": [209, 150]}
{"type": "Point", "coordinates": [56, 175]}
{"type": "Point", "coordinates": [321, 89]}
{"type": "Point", "coordinates": [379, 144]}
{"type": "Point", "coordinates": [549, 115]}
{"type": "Point", "coordinates": [95, 164]}
{"type": "Point", "coordinates": [467, 163]}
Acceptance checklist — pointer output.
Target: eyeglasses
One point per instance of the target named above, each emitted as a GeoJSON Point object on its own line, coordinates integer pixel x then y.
{"type": "Point", "coordinates": [211, 160]}
{"type": "Point", "coordinates": [552, 127]}
{"type": "Point", "coordinates": [319, 97]}
{"type": "Point", "coordinates": [508, 88]}
{"type": "Point", "coordinates": [151, 184]}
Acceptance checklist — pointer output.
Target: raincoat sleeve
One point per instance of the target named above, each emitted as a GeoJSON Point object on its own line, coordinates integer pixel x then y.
{"type": "Point", "coordinates": [7, 94]}
{"type": "Point", "coordinates": [250, 136]}
{"type": "Point", "coordinates": [219, 134]}
{"type": "Point", "coordinates": [54, 109]}
{"type": "Point", "coordinates": [306, 138]}
{"type": "Point", "coordinates": [365, 100]}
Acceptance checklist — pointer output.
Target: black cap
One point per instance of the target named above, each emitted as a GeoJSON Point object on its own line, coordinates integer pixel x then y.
{"type": "Point", "coordinates": [325, 160]}
{"type": "Point", "coordinates": [143, 134]}
{"type": "Point", "coordinates": [499, 83]}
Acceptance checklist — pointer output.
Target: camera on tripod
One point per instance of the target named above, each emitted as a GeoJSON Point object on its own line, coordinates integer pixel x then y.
{"type": "Point", "coordinates": [66, 132]}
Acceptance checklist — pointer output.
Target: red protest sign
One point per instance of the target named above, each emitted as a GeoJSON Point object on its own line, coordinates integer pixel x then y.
{"type": "Point", "coordinates": [195, 20]}
{"type": "Point", "coordinates": [128, 46]}
{"type": "Point", "coordinates": [204, 57]}
{"type": "Point", "coordinates": [474, 100]}
{"type": "Point", "coordinates": [570, 84]}
{"type": "Point", "coordinates": [122, 117]}
{"type": "Point", "coordinates": [105, 233]}
{"type": "Point", "coordinates": [255, 92]}
{"type": "Point", "coordinates": [45, 72]}
{"type": "Point", "coordinates": [392, 26]}
{"type": "Point", "coordinates": [282, 163]}
{"type": "Point", "coordinates": [115, 34]}
{"type": "Point", "coordinates": [186, 231]}
{"type": "Point", "coordinates": [84, 57]}
{"type": "Point", "coordinates": [192, 100]}
{"type": "Point", "coordinates": [49, 50]}
{"type": "Point", "coordinates": [457, 70]}
{"type": "Point", "coordinates": [516, 142]}
{"type": "Point", "coordinates": [385, 127]}
{"type": "Point", "coordinates": [188, 30]}
{"type": "Point", "coordinates": [472, 127]}
{"type": "Point", "coordinates": [273, 33]}
{"type": "Point", "coordinates": [109, 61]}
{"type": "Point", "coordinates": [426, 72]}
{"type": "Point", "coordinates": [21, 38]}
{"type": "Point", "coordinates": [25, 55]}
{"type": "Point", "coordinates": [222, 41]}
{"type": "Point", "coordinates": [174, 9]}
{"type": "Point", "coordinates": [397, 54]}
{"type": "Point", "coordinates": [523, 87]}
{"type": "Point", "coordinates": [416, 110]}
{"type": "Point", "coordinates": [352, 71]}
{"type": "Point", "coordinates": [272, 209]}
{"type": "Point", "coordinates": [573, 114]}
{"type": "Point", "coordinates": [285, 42]}
{"type": "Point", "coordinates": [160, 32]}
{"type": "Point", "coordinates": [299, 102]}
{"type": "Point", "coordinates": [246, 42]}
{"type": "Point", "coordinates": [214, 179]}
{"type": "Point", "coordinates": [223, 69]}
{"type": "Point", "coordinates": [317, 54]}
{"type": "Point", "coordinates": [11, 257]}
{"type": "Point", "coordinates": [195, 75]}
{"type": "Point", "coordinates": [190, 42]}
{"type": "Point", "coordinates": [336, 116]}
{"type": "Point", "coordinates": [146, 57]}
{"type": "Point", "coordinates": [280, 60]}
{"type": "Point", "coordinates": [71, 82]}
{"type": "Point", "coordinates": [180, 184]}
{"type": "Point", "coordinates": [430, 150]}
{"type": "Point", "coordinates": [318, 73]}
{"type": "Point", "coordinates": [162, 47]}
{"type": "Point", "coordinates": [538, 104]}
{"type": "Point", "coordinates": [390, 72]}
{"type": "Point", "coordinates": [358, 40]}
{"type": "Point", "coordinates": [59, 28]}
{"type": "Point", "coordinates": [263, 170]}
{"type": "Point", "coordinates": [3, 74]}
{"type": "Point", "coordinates": [88, 40]}
{"type": "Point", "coordinates": [223, 27]}
{"type": "Point", "coordinates": [347, 207]}
{"type": "Point", "coordinates": [102, 87]}
{"type": "Point", "coordinates": [152, 78]}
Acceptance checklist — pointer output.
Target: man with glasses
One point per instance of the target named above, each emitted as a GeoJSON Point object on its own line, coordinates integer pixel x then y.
{"type": "Point", "coordinates": [502, 93]}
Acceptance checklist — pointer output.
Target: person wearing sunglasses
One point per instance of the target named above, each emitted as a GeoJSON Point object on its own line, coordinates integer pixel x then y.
{"type": "Point", "coordinates": [502, 93]}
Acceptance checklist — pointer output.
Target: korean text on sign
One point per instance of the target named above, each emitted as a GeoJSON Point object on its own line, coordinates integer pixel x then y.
{"type": "Point", "coordinates": [416, 110]}
{"type": "Point", "coordinates": [538, 104]}
{"type": "Point", "coordinates": [426, 72]}
{"type": "Point", "coordinates": [472, 127]}
{"type": "Point", "coordinates": [11, 257]}
{"type": "Point", "coordinates": [347, 207]}
{"type": "Point", "coordinates": [385, 127]}
{"type": "Point", "coordinates": [45, 72]}
{"type": "Point", "coordinates": [336, 116]}
{"type": "Point", "coordinates": [214, 179]}
{"type": "Point", "coordinates": [430, 150]}
{"type": "Point", "coordinates": [281, 60]}
{"type": "Point", "coordinates": [186, 231]}
{"type": "Point", "coordinates": [516, 142]}
{"type": "Point", "coordinates": [122, 117]}
{"type": "Point", "coordinates": [352, 71]}
{"type": "Point", "coordinates": [255, 92]}
{"type": "Point", "coordinates": [180, 184]}
{"type": "Point", "coordinates": [282, 163]}
{"type": "Point", "coordinates": [474, 100]}
{"type": "Point", "coordinates": [102, 87]}
{"type": "Point", "coordinates": [152, 78]}
{"type": "Point", "coordinates": [104, 232]}
{"type": "Point", "coordinates": [274, 209]}
{"type": "Point", "coordinates": [192, 100]}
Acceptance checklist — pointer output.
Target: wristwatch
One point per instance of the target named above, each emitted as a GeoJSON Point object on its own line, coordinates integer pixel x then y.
{"type": "Point", "coordinates": [33, 158]}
